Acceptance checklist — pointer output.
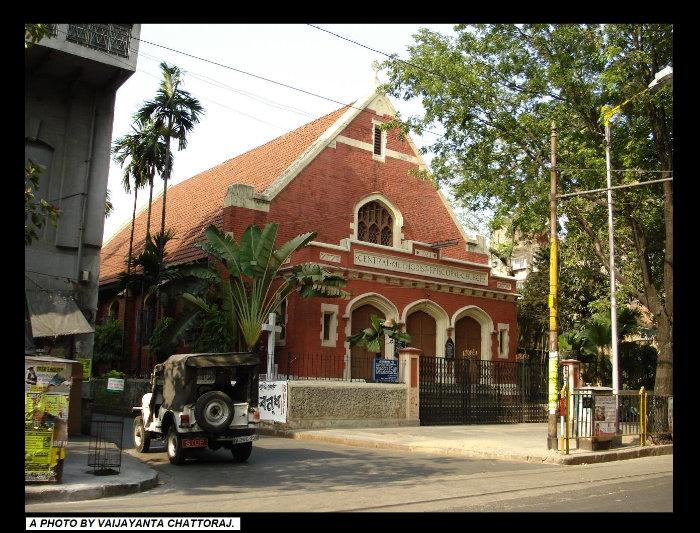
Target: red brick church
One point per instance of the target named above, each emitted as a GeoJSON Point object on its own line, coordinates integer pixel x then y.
{"type": "Point", "coordinates": [391, 234]}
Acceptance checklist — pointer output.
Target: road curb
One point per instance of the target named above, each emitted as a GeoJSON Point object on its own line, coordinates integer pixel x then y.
{"type": "Point", "coordinates": [547, 457]}
{"type": "Point", "coordinates": [60, 494]}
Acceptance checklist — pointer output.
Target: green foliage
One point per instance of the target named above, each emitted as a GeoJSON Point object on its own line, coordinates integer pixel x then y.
{"type": "Point", "coordinates": [109, 206]}
{"type": "Point", "coordinates": [591, 341]}
{"type": "Point", "coordinates": [33, 33]}
{"type": "Point", "coordinates": [35, 213]}
{"type": "Point", "coordinates": [637, 365]}
{"type": "Point", "coordinates": [247, 284]}
{"type": "Point", "coordinates": [159, 345]}
{"type": "Point", "coordinates": [108, 342]}
{"type": "Point", "coordinates": [216, 334]}
{"type": "Point", "coordinates": [114, 374]}
{"type": "Point", "coordinates": [580, 282]}
{"type": "Point", "coordinates": [373, 336]}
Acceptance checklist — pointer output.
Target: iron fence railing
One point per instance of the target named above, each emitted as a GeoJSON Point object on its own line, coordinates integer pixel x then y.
{"type": "Point", "coordinates": [327, 365]}
{"type": "Point", "coordinates": [641, 414]}
{"type": "Point", "coordinates": [475, 391]}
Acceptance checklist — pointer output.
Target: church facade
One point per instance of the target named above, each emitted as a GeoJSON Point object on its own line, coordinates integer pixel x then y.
{"type": "Point", "coordinates": [388, 231]}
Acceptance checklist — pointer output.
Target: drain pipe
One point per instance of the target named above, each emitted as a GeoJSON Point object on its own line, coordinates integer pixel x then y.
{"type": "Point", "coordinates": [86, 184]}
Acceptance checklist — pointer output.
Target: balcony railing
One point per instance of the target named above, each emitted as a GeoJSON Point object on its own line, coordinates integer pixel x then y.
{"type": "Point", "coordinates": [110, 38]}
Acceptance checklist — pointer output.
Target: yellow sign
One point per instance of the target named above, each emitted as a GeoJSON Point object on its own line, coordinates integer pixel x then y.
{"type": "Point", "coordinates": [38, 453]}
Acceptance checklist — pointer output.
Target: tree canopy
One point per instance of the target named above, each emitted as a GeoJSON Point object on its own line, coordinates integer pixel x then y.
{"type": "Point", "coordinates": [496, 89]}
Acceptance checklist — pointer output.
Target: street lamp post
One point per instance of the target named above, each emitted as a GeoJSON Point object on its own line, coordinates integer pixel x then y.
{"type": "Point", "coordinates": [662, 77]}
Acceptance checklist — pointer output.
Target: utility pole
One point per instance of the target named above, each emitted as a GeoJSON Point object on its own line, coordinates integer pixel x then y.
{"type": "Point", "coordinates": [553, 396]}
{"type": "Point", "coordinates": [611, 244]}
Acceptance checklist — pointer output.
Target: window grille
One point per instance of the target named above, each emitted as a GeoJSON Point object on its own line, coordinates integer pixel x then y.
{"type": "Point", "coordinates": [375, 224]}
{"type": "Point", "coordinates": [110, 38]}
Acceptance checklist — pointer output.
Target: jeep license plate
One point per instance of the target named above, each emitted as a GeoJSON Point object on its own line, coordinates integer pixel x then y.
{"type": "Point", "coordinates": [199, 442]}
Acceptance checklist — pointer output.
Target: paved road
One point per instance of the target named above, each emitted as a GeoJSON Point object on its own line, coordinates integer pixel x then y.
{"type": "Point", "coordinates": [302, 476]}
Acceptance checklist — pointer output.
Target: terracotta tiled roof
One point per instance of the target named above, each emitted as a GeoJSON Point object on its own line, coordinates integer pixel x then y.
{"type": "Point", "coordinates": [197, 202]}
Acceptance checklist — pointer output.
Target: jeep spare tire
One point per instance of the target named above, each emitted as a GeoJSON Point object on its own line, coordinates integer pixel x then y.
{"type": "Point", "coordinates": [214, 411]}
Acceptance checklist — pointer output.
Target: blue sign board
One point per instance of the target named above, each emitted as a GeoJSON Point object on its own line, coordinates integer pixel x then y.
{"type": "Point", "coordinates": [385, 371]}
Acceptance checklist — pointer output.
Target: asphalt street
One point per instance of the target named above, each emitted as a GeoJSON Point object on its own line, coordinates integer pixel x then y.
{"type": "Point", "coordinates": [286, 475]}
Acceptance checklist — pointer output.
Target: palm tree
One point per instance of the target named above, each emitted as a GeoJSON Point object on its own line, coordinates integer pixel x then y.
{"type": "Point", "coordinates": [593, 340]}
{"type": "Point", "coordinates": [249, 289]}
{"type": "Point", "coordinates": [373, 336]}
{"type": "Point", "coordinates": [141, 154]}
{"type": "Point", "coordinates": [175, 113]}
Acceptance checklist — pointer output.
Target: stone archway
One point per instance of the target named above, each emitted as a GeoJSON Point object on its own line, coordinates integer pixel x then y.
{"type": "Point", "coordinates": [439, 316]}
{"type": "Point", "coordinates": [485, 322]}
{"type": "Point", "coordinates": [368, 301]}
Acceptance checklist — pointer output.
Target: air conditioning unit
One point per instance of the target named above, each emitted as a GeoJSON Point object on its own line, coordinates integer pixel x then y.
{"type": "Point", "coordinates": [84, 276]}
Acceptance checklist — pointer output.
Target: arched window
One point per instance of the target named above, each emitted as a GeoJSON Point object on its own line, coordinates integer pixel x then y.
{"type": "Point", "coordinates": [375, 224]}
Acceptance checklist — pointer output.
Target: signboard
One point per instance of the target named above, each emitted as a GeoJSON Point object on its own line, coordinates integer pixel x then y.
{"type": "Point", "coordinates": [604, 415]}
{"type": "Point", "coordinates": [37, 455]}
{"type": "Point", "coordinates": [553, 377]}
{"type": "Point", "coordinates": [49, 412]}
{"type": "Point", "coordinates": [272, 401]}
{"type": "Point", "coordinates": [47, 377]}
{"type": "Point", "coordinates": [409, 266]}
{"type": "Point", "coordinates": [385, 370]}
{"type": "Point", "coordinates": [450, 349]}
{"type": "Point", "coordinates": [115, 385]}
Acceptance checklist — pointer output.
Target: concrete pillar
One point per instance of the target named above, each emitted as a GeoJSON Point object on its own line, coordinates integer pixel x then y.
{"type": "Point", "coordinates": [409, 375]}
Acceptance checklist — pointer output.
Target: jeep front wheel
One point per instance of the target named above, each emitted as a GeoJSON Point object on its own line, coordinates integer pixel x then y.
{"type": "Point", "coordinates": [142, 439]}
{"type": "Point", "coordinates": [176, 453]}
{"type": "Point", "coordinates": [214, 411]}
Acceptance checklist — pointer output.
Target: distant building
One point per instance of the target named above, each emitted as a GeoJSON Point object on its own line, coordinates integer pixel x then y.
{"type": "Point", "coordinates": [392, 235]}
{"type": "Point", "coordinates": [71, 79]}
{"type": "Point", "coordinates": [520, 262]}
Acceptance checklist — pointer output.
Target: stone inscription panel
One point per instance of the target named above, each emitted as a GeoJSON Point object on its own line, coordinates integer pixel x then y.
{"type": "Point", "coordinates": [396, 264]}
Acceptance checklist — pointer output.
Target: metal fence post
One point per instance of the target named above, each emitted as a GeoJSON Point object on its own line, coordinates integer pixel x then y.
{"type": "Point", "coordinates": [642, 417]}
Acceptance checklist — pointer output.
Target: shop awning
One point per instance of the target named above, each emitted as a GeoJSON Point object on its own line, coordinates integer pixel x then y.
{"type": "Point", "coordinates": [53, 314]}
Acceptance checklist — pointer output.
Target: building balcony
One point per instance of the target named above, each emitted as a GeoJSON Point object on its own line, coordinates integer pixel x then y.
{"type": "Point", "coordinates": [110, 38]}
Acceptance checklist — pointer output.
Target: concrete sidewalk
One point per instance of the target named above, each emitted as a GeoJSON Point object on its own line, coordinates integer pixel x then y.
{"type": "Point", "coordinates": [512, 442]}
{"type": "Point", "coordinates": [79, 483]}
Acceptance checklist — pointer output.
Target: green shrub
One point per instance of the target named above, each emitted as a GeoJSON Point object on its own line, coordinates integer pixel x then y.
{"type": "Point", "coordinates": [114, 374]}
{"type": "Point", "coordinates": [108, 342]}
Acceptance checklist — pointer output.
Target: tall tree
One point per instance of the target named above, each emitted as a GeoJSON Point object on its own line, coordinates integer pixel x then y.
{"type": "Point", "coordinates": [495, 89]}
{"type": "Point", "coordinates": [141, 154]}
{"type": "Point", "coordinates": [175, 113]}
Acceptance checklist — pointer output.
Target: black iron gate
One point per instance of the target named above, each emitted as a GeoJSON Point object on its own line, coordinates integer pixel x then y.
{"type": "Point", "coordinates": [464, 391]}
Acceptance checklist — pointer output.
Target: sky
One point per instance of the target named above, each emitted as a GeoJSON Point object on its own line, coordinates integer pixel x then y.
{"type": "Point", "coordinates": [242, 112]}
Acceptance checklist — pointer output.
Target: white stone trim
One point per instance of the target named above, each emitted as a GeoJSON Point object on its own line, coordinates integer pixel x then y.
{"type": "Point", "coordinates": [333, 333]}
{"type": "Point", "coordinates": [506, 328]}
{"type": "Point", "coordinates": [483, 318]}
{"type": "Point", "coordinates": [442, 321]}
{"type": "Point", "coordinates": [330, 246]}
{"type": "Point", "coordinates": [396, 216]}
{"type": "Point", "coordinates": [370, 148]}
